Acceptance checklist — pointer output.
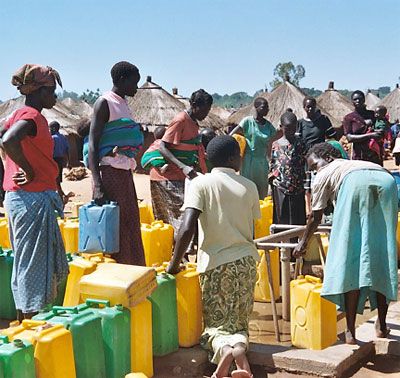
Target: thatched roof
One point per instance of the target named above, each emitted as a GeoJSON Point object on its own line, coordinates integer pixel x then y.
{"type": "Point", "coordinates": [153, 106]}
{"type": "Point", "coordinates": [371, 100]}
{"type": "Point", "coordinates": [78, 107]}
{"type": "Point", "coordinates": [334, 104]}
{"type": "Point", "coordinates": [222, 113]}
{"type": "Point", "coordinates": [59, 113]}
{"type": "Point", "coordinates": [392, 102]}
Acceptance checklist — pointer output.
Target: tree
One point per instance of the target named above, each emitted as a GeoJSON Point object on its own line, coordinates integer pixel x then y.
{"type": "Point", "coordinates": [89, 96]}
{"type": "Point", "coordinates": [289, 72]}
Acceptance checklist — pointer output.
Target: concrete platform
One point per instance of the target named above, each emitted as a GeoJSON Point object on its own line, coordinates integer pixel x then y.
{"type": "Point", "coordinates": [339, 360]}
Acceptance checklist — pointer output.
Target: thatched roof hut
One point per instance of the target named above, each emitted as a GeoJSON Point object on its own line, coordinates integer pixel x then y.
{"type": "Point", "coordinates": [59, 113]}
{"type": "Point", "coordinates": [334, 104]}
{"type": "Point", "coordinates": [371, 100]}
{"type": "Point", "coordinates": [153, 106]}
{"type": "Point", "coordinates": [78, 107]}
{"type": "Point", "coordinates": [392, 102]}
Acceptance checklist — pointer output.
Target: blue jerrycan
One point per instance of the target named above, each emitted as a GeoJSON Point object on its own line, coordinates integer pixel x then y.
{"type": "Point", "coordinates": [99, 228]}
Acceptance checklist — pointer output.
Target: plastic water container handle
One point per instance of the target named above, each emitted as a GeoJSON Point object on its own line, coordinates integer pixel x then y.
{"type": "Point", "coordinates": [313, 279]}
{"type": "Point", "coordinates": [4, 339]}
{"type": "Point", "coordinates": [97, 302]}
{"type": "Point", "coordinates": [30, 323]}
{"type": "Point", "coordinates": [57, 309]}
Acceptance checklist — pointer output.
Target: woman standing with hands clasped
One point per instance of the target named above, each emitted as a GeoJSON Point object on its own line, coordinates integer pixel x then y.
{"type": "Point", "coordinates": [259, 134]}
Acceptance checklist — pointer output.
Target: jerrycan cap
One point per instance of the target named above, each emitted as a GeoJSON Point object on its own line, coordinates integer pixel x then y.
{"type": "Point", "coordinates": [119, 307]}
{"type": "Point", "coordinates": [18, 343]}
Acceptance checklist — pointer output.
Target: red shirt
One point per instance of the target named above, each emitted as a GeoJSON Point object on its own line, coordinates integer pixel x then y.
{"type": "Point", "coordinates": [38, 150]}
{"type": "Point", "coordinates": [180, 129]}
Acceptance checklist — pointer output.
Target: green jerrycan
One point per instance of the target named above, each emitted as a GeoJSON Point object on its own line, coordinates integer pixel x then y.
{"type": "Point", "coordinates": [16, 359]}
{"type": "Point", "coordinates": [7, 305]}
{"type": "Point", "coordinates": [116, 327]}
{"type": "Point", "coordinates": [87, 340]}
{"type": "Point", "coordinates": [164, 315]}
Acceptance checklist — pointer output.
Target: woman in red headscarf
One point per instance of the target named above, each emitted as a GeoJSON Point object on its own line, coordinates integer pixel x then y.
{"type": "Point", "coordinates": [31, 199]}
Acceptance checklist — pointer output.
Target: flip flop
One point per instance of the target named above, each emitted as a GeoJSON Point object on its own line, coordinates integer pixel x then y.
{"type": "Point", "coordinates": [379, 333]}
{"type": "Point", "coordinates": [349, 339]}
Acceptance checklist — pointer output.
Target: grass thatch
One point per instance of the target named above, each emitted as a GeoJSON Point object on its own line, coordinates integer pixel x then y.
{"type": "Point", "coordinates": [335, 105]}
{"type": "Point", "coordinates": [78, 107]}
{"type": "Point", "coordinates": [392, 102]}
{"type": "Point", "coordinates": [153, 106]}
{"type": "Point", "coordinates": [371, 100]}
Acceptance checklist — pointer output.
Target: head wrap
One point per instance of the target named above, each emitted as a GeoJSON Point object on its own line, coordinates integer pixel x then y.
{"type": "Point", "coordinates": [31, 77]}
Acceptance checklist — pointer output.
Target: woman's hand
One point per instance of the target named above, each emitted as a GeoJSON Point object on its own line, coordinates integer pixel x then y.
{"type": "Point", "coordinates": [99, 196]}
{"type": "Point", "coordinates": [173, 268]}
{"type": "Point", "coordinates": [23, 177]}
{"type": "Point", "coordinates": [377, 135]}
{"type": "Point", "coordinates": [300, 250]}
{"type": "Point", "coordinates": [189, 172]}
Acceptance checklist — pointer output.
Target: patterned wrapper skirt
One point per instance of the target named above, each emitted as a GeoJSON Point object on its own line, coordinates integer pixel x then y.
{"type": "Point", "coordinates": [119, 187]}
{"type": "Point", "coordinates": [167, 198]}
{"type": "Point", "coordinates": [40, 262]}
{"type": "Point", "coordinates": [228, 297]}
{"type": "Point", "coordinates": [362, 251]}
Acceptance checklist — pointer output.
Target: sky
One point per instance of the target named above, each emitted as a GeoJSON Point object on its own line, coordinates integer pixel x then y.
{"type": "Point", "coordinates": [223, 46]}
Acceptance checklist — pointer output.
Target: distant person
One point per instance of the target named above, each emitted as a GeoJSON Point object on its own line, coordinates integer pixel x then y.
{"type": "Point", "coordinates": [356, 125]}
{"type": "Point", "coordinates": [207, 134]}
{"type": "Point", "coordinates": [31, 200]}
{"type": "Point", "coordinates": [60, 152]}
{"type": "Point", "coordinates": [395, 129]}
{"type": "Point", "coordinates": [315, 127]}
{"type": "Point", "coordinates": [114, 140]}
{"type": "Point", "coordinates": [152, 157]}
{"type": "Point", "coordinates": [287, 174]}
{"type": "Point", "coordinates": [259, 134]}
{"type": "Point", "coordinates": [381, 125]}
{"type": "Point", "coordinates": [362, 256]}
{"type": "Point", "coordinates": [182, 150]}
{"type": "Point", "coordinates": [226, 205]}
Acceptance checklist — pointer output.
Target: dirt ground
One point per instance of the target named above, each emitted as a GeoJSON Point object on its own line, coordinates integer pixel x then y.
{"type": "Point", "coordinates": [83, 189]}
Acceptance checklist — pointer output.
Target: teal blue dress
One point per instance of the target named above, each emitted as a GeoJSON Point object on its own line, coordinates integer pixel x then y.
{"type": "Point", "coordinates": [255, 165]}
{"type": "Point", "coordinates": [362, 248]}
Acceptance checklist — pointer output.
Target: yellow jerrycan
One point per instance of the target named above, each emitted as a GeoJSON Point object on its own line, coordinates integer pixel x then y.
{"type": "Point", "coordinates": [189, 306]}
{"type": "Point", "coordinates": [142, 338]}
{"type": "Point", "coordinates": [97, 257]}
{"type": "Point", "coordinates": [60, 222]}
{"type": "Point", "coordinates": [261, 289]}
{"type": "Point", "coordinates": [75, 208]}
{"type": "Point", "coordinates": [158, 238]}
{"type": "Point", "coordinates": [77, 269]}
{"type": "Point", "coordinates": [136, 375]}
{"type": "Point", "coordinates": [262, 225]}
{"type": "Point", "coordinates": [54, 356]}
{"type": "Point", "coordinates": [4, 234]}
{"type": "Point", "coordinates": [71, 235]}
{"type": "Point", "coordinates": [145, 212]}
{"type": "Point", "coordinates": [313, 319]}
{"type": "Point", "coordinates": [242, 143]}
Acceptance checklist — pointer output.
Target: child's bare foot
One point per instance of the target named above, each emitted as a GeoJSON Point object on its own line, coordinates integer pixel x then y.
{"type": "Point", "coordinates": [349, 338]}
{"type": "Point", "coordinates": [242, 363]}
{"type": "Point", "coordinates": [379, 332]}
{"type": "Point", "coordinates": [224, 363]}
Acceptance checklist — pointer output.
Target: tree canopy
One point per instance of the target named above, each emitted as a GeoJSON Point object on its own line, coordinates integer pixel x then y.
{"type": "Point", "coordinates": [289, 72]}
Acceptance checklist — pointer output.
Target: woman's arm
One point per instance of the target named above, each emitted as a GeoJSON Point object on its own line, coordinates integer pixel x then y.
{"type": "Point", "coordinates": [169, 156]}
{"type": "Point", "coordinates": [185, 234]}
{"type": "Point", "coordinates": [312, 224]}
{"type": "Point", "coordinates": [355, 138]}
{"type": "Point", "coordinates": [12, 146]}
{"type": "Point", "coordinates": [101, 114]}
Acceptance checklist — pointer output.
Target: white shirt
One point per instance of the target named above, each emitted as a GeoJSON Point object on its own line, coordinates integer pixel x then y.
{"type": "Point", "coordinates": [229, 204]}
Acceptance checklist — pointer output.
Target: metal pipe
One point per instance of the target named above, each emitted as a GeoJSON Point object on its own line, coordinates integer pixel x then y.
{"type": "Point", "coordinates": [285, 273]}
{"type": "Point", "coordinates": [272, 295]}
{"type": "Point", "coordinates": [289, 234]}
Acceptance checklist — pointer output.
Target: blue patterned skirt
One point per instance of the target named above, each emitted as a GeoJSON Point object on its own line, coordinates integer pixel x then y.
{"type": "Point", "coordinates": [40, 263]}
